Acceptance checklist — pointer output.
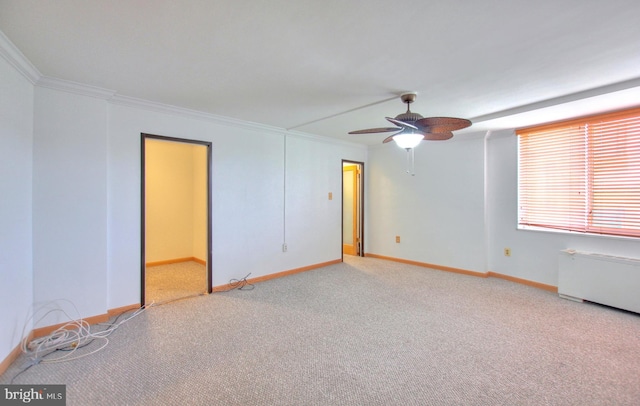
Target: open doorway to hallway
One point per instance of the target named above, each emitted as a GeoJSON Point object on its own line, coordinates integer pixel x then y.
{"type": "Point", "coordinates": [176, 223]}
{"type": "Point", "coordinates": [352, 208]}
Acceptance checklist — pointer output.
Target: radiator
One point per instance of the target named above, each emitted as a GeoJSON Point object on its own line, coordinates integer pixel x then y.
{"type": "Point", "coordinates": [605, 279]}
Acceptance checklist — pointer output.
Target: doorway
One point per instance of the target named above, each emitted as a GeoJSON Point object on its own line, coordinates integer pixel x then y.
{"type": "Point", "coordinates": [352, 208]}
{"type": "Point", "coordinates": [175, 218]}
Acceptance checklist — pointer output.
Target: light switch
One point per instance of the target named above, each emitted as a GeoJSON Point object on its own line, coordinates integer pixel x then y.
{"type": "Point", "coordinates": [330, 196]}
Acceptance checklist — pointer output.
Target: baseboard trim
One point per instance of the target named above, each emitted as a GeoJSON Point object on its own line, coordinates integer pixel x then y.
{"type": "Point", "coordinates": [226, 287]}
{"type": "Point", "coordinates": [432, 266]}
{"type": "Point", "coordinates": [43, 331]}
{"type": "Point", "coordinates": [198, 260]}
{"type": "Point", "coordinates": [527, 282]}
{"type": "Point", "coordinates": [489, 274]}
{"type": "Point", "coordinates": [176, 261]}
{"type": "Point", "coordinates": [13, 355]}
{"type": "Point", "coordinates": [116, 311]}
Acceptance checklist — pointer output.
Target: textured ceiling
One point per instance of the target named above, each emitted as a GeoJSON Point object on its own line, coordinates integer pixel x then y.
{"type": "Point", "coordinates": [328, 67]}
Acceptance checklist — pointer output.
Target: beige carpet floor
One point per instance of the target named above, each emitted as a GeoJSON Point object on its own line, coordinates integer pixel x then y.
{"type": "Point", "coordinates": [363, 332]}
{"type": "Point", "coordinates": [174, 281]}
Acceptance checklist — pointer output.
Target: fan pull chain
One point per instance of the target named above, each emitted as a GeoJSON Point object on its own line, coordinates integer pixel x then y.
{"type": "Point", "coordinates": [411, 161]}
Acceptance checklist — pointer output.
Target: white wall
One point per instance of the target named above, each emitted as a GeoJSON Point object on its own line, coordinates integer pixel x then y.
{"type": "Point", "coordinates": [248, 197]}
{"type": "Point", "coordinates": [438, 213]}
{"type": "Point", "coordinates": [314, 223]}
{"type": "Point", "coordinates": [534, 254]}
{"type": "Point", "coordinates": [86, 199]}
{"type": "Point", "coordinates": [16, 146]}
{"type": "Point", "coordinates": [69, 202]}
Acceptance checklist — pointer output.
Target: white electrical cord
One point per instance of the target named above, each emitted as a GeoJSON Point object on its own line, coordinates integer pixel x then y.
{"type": "Point", "coordinates": [69, 337]}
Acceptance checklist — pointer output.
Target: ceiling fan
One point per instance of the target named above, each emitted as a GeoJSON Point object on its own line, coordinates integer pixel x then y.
{"type": "Point", "coordinates": [413, 128]}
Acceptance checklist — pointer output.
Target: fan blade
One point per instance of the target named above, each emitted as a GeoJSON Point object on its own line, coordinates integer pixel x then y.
{"type": "Point", "coordinates": [376, 130]}
{"type": "Point", "coordinates": [401, 123]}
{"type": "Point", "coordinates": [389, 138]}
{"type": "Point", "coordinates": [439, 136]}
{"type": "Point", "coordinates": [442, 124]}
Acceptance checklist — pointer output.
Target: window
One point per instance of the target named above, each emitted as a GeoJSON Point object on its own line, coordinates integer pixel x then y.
{"type": "Point", "coordinates": [581, 175]}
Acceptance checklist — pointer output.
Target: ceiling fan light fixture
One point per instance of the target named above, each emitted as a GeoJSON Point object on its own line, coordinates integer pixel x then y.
{"type": "Point", "coordinates": [408, 140]}
{"type": "Point", "coordinates": [411, 128]}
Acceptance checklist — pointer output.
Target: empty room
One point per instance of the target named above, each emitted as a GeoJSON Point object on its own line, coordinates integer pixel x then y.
{"type": "Point", "coordinates": [309, 203]}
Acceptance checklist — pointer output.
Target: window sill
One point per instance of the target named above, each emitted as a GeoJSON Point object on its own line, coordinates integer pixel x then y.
{"type": "Point", "coordinates": [575, 233]}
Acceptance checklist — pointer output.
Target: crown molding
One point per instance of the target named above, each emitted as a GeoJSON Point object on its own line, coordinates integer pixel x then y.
{"type": "Point", "coordinates": [17, 59]}
{"type": "Point", "coordinates": [75, 87]}
{"type": "Point", "coordinates": [20, 62]}
{"type": "Point", "coordinates": [158, 107]}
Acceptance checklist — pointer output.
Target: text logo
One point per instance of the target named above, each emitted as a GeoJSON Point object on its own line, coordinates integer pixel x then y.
{"type": "Point", "coordinates": [38, 395]}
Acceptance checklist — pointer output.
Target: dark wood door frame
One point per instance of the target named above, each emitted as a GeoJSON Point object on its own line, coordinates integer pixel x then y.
{"type": "Point", "coordinates": [360, 251]}
{"type": "Point", "coordinates": [143, 262]}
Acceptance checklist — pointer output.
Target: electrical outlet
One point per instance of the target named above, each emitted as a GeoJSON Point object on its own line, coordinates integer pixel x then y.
{"type": "Point", "coordinates": [284, 247]}
{"type": "Point", "coordinates": [330, 196]}
{"type": "Point", "coordinates": [507, 252]}
{"type": "Point", "coordinates": [397, 239]}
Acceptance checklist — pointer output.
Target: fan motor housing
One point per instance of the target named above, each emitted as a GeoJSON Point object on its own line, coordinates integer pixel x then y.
{"type": "Point", "coordinates": [409, 117]}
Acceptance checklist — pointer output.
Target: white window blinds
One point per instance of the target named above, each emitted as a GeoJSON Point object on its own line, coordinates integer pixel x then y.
{"type": "Point", "coordinates": [582, 175]}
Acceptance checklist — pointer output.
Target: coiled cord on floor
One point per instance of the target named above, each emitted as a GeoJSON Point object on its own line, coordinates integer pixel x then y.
{"type": "Point", "coordinates": [239, 284]}
{"type": "Point", "coordinates": [68, 338]}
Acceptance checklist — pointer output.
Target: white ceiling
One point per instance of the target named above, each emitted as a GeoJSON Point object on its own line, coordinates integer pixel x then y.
{"type": "Point", "coordinates": [331, 66]}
